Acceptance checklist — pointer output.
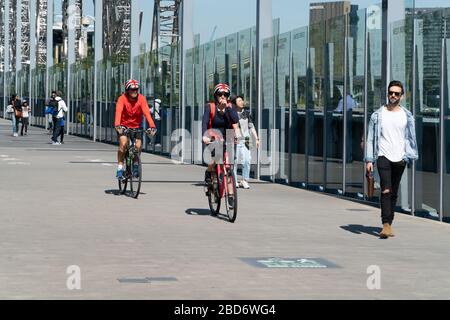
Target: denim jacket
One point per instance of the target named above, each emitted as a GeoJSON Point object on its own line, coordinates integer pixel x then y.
{"type": "Point", "coordinates": [374, 134]}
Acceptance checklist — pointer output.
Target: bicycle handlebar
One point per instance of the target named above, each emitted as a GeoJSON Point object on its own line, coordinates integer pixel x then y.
{"type": "Point", "coordinates": [137, 130]}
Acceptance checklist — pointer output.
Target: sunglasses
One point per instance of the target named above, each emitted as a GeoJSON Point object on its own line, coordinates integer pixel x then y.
{"type": "Point", "coordinates": [225, 94]}
{"type": "Point", "coordinates": [397, 94]}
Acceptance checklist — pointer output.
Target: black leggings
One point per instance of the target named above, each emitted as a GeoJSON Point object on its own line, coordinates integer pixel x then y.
{"type": "Point", "coordinates": [24, 125]}
{"type": "Point", "coordinates": [390, 175]}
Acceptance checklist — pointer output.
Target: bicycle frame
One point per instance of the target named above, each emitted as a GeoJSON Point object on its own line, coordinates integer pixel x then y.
{"type": "Point", "coordinates": [225, 167]}
{"type": "Point", "coordinates": [131, 146]}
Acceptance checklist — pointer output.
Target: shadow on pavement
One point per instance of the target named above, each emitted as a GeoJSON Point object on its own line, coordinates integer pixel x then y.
{"type": "Point", "coordinates": [360, 229]}
{"type": "Point", "coordinates": [116, 192]}
{"type": "Point", "coordinates": [198, 212]}
{"type": "Point", "coordinates": [205, 212]}
{"type": "Point", "coordinates": [113, 192]}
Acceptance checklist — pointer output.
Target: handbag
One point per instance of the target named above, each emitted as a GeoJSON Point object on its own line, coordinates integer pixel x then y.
{"type": "Point", "coordinates": [18, 114]}
{"type": "Point", "coordinates": [9, 109]}
{"type": "Point", "coordinates": [370, 184]}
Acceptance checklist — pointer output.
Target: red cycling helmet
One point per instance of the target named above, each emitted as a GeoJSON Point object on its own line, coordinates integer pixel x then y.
{"type": "Point", "coordinates": [132, 85]}
{"type": "Point", "coordinates": [222, 87]}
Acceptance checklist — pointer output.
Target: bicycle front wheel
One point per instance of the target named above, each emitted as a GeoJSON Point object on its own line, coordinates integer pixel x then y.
{"type": "Point", "coordinates": [124, 181]}
{"type": "Point", "coordinates": [214, 195]}
{"type": "Point", "coordinates": [136, 177]}
{"type": "Point", "coordinates": [231, 198]}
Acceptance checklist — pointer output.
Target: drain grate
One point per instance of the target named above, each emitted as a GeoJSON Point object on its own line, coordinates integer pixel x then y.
{"type": "Point", "coordinates": [289, 263]}
{"type": "Point", "coordinates": [147, 280]}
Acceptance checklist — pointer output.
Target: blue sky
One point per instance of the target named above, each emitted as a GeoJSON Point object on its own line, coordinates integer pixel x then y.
{"type": "Point", "coordinates": [235, 15]}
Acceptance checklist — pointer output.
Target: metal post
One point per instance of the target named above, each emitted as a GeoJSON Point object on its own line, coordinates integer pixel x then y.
{"type": "Point", "coordinates": [33, 42]}
{"type": "Point", "coordinates": [291, 89]}
{"type": "Point", "coordinates": [50, 60]}
{"type": "Point", "coordinates": [442, 131]}
{"type": "Point", "coordinates": [193, 129]}
{"type": "Point", "coordinates": [344, 105]}
{"type": "Point", "coordinates": [185, 41]}
{"type": "Point", "coordinates": [70, 59]}
{"type": "Point", "coordinates": [98, 34]}
{"type": "Point", "coordinates": [134, 44]}
{"type": "Point", "coordinates": [273, 143]}
{"type": "Point", "coordinates": [413, 103]}
{"type": "Point", "coordinates": [18, 44]}
{"type": "Point", "coordinates": [385, 70]}
{"type": "Point", "coordinates": [366, 99]}
{"type": "Point", "coordinates": [6, 56]}
{"type": "Point", "coordinates": [326, 72]}
{"type": "Point", "coordinates": [307, 105]}
{"type": "Point", "coordinates": [182, 66]}
{"type": "Point", "coordinates": [263, 30]}
{"type": "Point", "coordinates": [258, 55]}
{"type": "Point", "coordinates": [238, 76]}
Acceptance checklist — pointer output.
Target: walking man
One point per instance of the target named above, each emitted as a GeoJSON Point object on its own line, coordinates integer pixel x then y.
{"type": "Point", "coordinates": [391, 145]}
{"type": "Point", "coordinates": [61, 109]}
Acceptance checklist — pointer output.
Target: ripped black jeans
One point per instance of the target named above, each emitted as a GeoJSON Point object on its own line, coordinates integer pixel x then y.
{"type": "Point", "coordinates": [390, 176]}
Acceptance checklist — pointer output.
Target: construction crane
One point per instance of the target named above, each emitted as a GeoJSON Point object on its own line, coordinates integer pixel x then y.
{"type": "Point", "coordinates": [165, 29]}
{"type": "Point", "coordinates": [213, 34]}
{"type": "Point", "coordinates": [165, 36]}
{"type": "Point", "coordinates": [41, 29]}
{"type": "Point", "coordinates": [117, 28]}
{"type": "Point", "coordinates": [25, 32]}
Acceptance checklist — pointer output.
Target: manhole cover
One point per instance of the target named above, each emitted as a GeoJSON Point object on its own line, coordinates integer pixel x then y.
{"type": "Point", "coordinates": [290, 263]}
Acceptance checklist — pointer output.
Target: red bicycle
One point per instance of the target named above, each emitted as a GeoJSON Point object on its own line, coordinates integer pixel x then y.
{"type": "Point", "coordinates": [223, 186]}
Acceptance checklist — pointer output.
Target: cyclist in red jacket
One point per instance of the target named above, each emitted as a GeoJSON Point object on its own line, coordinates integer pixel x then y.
{"type": "Point", "coordinates": [130, 108]}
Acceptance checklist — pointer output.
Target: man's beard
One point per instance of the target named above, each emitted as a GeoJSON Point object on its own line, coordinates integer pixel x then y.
{"type": "Point", "coordinates": [394, 102]}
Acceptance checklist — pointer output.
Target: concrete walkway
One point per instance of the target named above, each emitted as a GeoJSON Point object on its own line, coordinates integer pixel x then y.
{"type": "Point", "coordinates": [60, 208]}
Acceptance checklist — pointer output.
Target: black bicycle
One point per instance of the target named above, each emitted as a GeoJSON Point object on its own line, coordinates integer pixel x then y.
{"type": "Point", "coordinates": [132, 178]}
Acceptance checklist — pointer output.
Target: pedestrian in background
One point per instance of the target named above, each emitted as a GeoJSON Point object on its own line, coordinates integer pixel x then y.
{"type": "Point", "coordinates": [26, 110]}
{"type": "Point", "coordinates": [49, 115]}
{"type": "Point", "coordinates": [17, 105]}
{"type": "Point", "coordinates": [61, 108]}
{"type": "Point", "coordinates": [243, 153]}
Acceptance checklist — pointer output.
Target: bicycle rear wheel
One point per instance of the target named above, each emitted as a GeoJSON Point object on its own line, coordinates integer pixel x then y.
{"type": "Point", "coordinates": [231, 199]}
{"type": "Point", "coordinates": [214, 195]}
{"type": "Point", "coordinates": [135, 181]}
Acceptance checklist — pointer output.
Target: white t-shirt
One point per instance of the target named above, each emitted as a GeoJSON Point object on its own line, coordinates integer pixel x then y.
{"type": "Point", "coordinates": [245, 122]}
{"type": "Point", "coordinates": [26, 111]}
{"type": "Point", "coordinates": [392, 142]}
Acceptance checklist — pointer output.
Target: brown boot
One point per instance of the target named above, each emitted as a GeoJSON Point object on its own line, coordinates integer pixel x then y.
{"type": "Point", "coordinates": [385, 232]}
{"type": "Point", "coordinates": [391, 233]}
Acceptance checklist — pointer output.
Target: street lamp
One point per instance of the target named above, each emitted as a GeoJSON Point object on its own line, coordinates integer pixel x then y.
{"type": "Point", "coordinates": [86, 22]}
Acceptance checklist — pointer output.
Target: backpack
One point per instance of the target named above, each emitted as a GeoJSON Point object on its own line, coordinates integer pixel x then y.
{"type": "Point", "coordinates": [54, 104]}
{"type": "Point", "coordinates": [212, 112]}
